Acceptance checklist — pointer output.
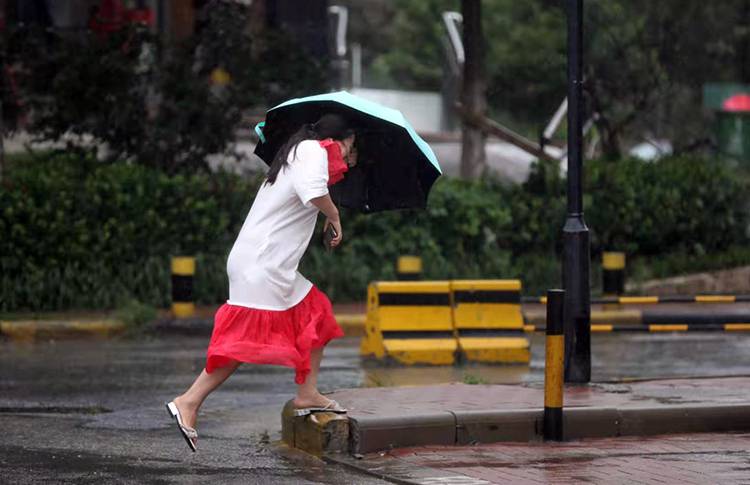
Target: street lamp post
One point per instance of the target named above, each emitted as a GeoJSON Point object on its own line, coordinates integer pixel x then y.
{"type": "Point", "coordinates": [577, 315]}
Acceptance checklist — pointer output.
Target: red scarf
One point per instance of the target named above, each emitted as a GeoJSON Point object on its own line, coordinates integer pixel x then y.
{"type": "Point", "coordinates": [337, 167]}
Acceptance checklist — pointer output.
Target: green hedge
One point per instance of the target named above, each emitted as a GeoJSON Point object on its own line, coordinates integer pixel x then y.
{"type": "Point", "coordinates": [77, 233]}
{"type": "Point", "coordinates": [80, 234]}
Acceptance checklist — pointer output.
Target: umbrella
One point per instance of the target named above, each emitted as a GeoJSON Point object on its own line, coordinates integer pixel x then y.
{"type": "Point", "coordinates": [395, 167]}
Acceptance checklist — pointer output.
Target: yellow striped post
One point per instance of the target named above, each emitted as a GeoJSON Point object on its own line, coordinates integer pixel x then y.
{"type": "Point", "coordinates": [613, 273]}
{"type": "Point", "coordinates": [409, 268]}
{"type": "Point", "coordinates": [553, 367]}
{"type": "Point", "coordinates": [183, 270]}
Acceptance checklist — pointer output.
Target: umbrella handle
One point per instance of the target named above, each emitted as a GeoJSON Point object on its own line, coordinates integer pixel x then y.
{"type": "Point", "coordinates": [259, 131]}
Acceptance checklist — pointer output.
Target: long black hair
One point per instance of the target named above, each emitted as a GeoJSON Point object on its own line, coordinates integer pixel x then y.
{"type": "Point", "coordinates": [328, 126]}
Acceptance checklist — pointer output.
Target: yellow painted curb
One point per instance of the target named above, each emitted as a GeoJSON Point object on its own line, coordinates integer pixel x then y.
{"type": "Point", "coordinates": [603, 317]}
{"type": "Point", "coordinates": [31, 329]}
{"type": "Point", "coordinates": [353, 324]}
{"type": "Point", "coordinates": [351, 319]}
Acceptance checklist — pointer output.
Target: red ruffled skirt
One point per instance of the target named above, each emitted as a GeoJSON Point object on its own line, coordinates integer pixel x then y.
{"type": "Point", "coordinates": [273, 337]}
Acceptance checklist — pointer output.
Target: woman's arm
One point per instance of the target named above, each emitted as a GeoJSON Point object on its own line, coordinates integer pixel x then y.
{"type": "Point", "coordinates": [329, 209]}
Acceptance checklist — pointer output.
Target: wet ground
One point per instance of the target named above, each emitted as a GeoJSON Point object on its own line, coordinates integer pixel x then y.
{"type": "Point", "coordinates": [685, 459]}
{"type": "Point", "coordinates": [92, 411]}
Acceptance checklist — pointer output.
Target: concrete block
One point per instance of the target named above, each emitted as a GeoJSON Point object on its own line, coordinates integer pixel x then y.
{"type": "Point", "coordinates": [586, 422]}
{"type": "Point", "coordinates": [684, 419]}
{"type": "Point", "coordinates": [316, 433]}
{"type": "Point", "coordinates": [287, 423]}
{"type": "Point", "coordinates": [385, 432]}
{"type": "Point", "coordinates": [493, 426]}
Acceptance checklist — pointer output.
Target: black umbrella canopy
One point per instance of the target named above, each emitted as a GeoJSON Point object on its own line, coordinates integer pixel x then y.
{"type": "Point", "coordinates": [392, 172]}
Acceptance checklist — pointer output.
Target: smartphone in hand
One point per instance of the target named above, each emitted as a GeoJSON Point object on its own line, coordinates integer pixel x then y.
{"type": "Point", "coordinates": [328, 235]}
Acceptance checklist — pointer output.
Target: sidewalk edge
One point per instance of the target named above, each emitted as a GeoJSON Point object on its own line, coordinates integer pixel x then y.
{"type": "Point", "coordinates": [376, 433]}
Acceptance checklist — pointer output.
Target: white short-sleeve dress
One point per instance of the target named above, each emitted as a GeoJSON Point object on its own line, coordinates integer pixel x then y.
{"type": "Point", "coordinates": [274, 315]}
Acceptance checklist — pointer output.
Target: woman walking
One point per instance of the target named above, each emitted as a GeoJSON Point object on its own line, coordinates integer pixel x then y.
{"type": "Point", "coordinates": [274, 315]}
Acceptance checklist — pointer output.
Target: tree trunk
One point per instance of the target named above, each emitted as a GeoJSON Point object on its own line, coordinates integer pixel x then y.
{"type": "Point", "coordinates": [609, 138]}
{"type": "Point", "coordinates": [473, 96]}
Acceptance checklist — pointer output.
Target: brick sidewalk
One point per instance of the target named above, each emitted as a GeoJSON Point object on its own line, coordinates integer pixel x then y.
{"type": "Point", "coordinates": [419, 400]}
{"type": "Point", "coordinates": [676, 459]}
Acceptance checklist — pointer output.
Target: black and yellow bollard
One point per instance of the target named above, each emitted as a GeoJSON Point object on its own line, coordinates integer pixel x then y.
{"type": "Point", "coordinates": [183, 270]}
{"type": "Point", "coordinates": [553, 367]}
{"type": "Point", "coordinates": [409, 268]}
{"type": "Point", "coordinates": [613, 274]}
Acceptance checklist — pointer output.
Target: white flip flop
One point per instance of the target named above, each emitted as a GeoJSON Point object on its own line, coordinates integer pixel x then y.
{"type": "Point", "coordinates": [331, 407]}
{"type": "Point", "coordinates": [188, 433]}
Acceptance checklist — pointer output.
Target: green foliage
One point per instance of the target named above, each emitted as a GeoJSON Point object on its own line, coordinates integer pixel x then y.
{"type": "Point", "coordinates": [81, 234]}
{"type": "Point", "coordinates": [414, 60]}
{"type": "Point", "coordinates": [135, 315]}
{"type": "Point", "coordinates": [683, 262]}
{"type": "Point", "coordinates": [471, 379]}
{"type": "Point", "coordinates": [287, 71]}
{"type": "Point", "coordinates": [526, 59]}
{"type": "Point", "coordinates": [643, 73]}
{"type": "Point", "coordinates": [681, 204]}
{"type": "Point", "coordinates": [162, 105]}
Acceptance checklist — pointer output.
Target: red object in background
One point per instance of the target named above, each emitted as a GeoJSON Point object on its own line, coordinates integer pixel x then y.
{"type": "Point", "coordinates": [140, 16]}
{"type": "Point", "coordinates": [112, 16]}
{"type": "Point", "coordinates": [337, 167]}
{"type": "Point", "coordinates": [738, 102]}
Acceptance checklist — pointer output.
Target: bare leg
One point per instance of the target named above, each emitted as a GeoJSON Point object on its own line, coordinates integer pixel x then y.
{"type": "Point", "coordinates": [190, 402]}
{"type": "Point", "coordinates": [307, 393]}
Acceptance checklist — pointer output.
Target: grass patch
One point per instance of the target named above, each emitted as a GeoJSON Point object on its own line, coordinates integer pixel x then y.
{"type": "Point", "coordinates": [473, 379]}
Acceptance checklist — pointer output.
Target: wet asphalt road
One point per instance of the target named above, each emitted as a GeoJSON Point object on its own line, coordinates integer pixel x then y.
{"type": "Point", "coordinates": [92, 411]}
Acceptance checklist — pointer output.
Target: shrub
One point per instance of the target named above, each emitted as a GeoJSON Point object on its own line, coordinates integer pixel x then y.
{"type": "Point", "coordinates": [135, 315]}
{"type": "Point", "coordinates": [159, 104]}
{"type": "Point", "coordinates": [682, 204]}
{"type": "Point", "coordinates": [77, 233]}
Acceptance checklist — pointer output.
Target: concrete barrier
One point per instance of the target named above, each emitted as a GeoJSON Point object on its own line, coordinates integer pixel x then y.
{"type": "Point", "coordinates": [488, 321]}
{"type": "Point", "coordinates": [410, 322]}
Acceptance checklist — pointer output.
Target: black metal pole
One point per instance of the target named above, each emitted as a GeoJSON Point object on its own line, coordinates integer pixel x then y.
{"type": "Point", "coordinates": [575, 233]}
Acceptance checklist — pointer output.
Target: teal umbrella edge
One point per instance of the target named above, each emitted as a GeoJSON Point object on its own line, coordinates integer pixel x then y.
{"type": "Point", "coordinates": [373, 109]}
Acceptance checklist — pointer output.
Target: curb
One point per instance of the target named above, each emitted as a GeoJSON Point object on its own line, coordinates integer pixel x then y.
{"type": "Point", "coordinates": [376, 433]}
{"type": "Point", "coordinates": [353, 324]}
{"type": "Point", "coordinates": [58, 329]}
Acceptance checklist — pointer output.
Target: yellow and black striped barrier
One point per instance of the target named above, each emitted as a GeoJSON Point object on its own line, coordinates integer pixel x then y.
{"type": "Point", "coordinates": [183, 270]}
{"type": "Point", "coordinates": [409, 268]}
{"type": "Point", "coordinates": [613, 273]}
{"type": "Point", "coordinates": [410, 322]}
{"type": "Point", "coordinates": [488, 321]}
{"type": "Point", "coordinates": [554, 349]}
{"type": "Point", "coordinates": [675, 327]}
{"type": "Point", "coordinates": [653, 300]}
{"type": "Point", "coordinates": [658, 327]}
